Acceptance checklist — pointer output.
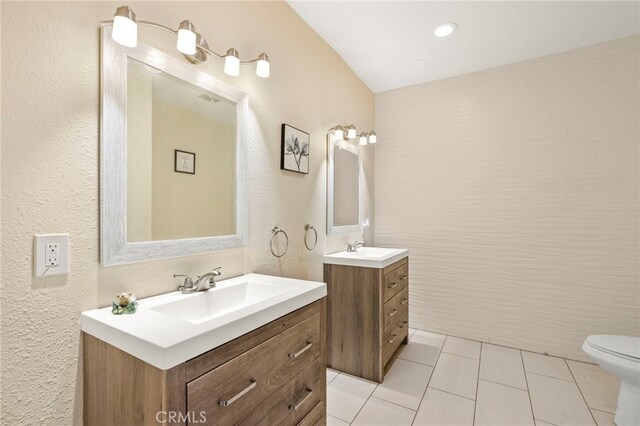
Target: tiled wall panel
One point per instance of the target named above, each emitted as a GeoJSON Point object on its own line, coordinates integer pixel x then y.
{"type": "Point", "coordinates": [517, 191]}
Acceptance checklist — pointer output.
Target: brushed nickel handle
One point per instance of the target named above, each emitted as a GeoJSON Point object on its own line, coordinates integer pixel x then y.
{"type": "Point", "coordinates": [404, 302]}
{"type": "Point", "coordinates": [227, 402]}
{"type": "Point", "coordinates": [392, 313]}
{"type": "Point", "coordinates": [302, 401]}
{"type": "Point", "coordinates": [393, 284]}
{"type": "Point", "coordinates": [404, 277]}
{"type": "Point", "coordinates": [395, 336]}
{"type": "Point", "coordinates": [301, 351]}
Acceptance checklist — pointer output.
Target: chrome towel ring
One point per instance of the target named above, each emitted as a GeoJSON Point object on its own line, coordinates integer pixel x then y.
{"type": "Point", "coordinates": [308, 228]}
{"type": "Point", "coordinates": [275, 231]}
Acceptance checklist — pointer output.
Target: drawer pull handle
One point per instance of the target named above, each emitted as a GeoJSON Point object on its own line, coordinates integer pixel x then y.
{"type": "Point", "coordinates": [301, 351]}
{"type": "Point", "coordinates": [227, 402]}
{"type": "Point", "coordinates": [302, 401]}
{"type": "Point", "coordinates": [393, 339]}
{"type": "Point", "coordinates": [404, 277]}
{"type": "Point", "coordinates": [404, 302]}
{"type": "Point", "coordinates": [393, 284]}
{"type": "Point", "coordinates": [392, 313]}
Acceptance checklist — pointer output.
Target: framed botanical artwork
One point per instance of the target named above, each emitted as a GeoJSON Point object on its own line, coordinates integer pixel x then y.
{"type": "Point", "coordinates": [295, 150]}
{"type": "Point", "coordinates": [185, 162]}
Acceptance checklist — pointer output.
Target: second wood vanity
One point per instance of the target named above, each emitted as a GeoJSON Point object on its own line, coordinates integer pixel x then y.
{"type": "Point", "coordinates": [367, 317]}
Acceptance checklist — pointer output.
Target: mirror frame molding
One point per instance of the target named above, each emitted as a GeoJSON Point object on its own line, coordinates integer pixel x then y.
{"type": "Point", "coordinates": [114, 248]}
{"type": "Point", "coordinates": [331, 229]}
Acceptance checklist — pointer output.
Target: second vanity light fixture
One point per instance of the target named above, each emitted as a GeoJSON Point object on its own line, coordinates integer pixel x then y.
{"type": "Point", "coordinates": [190, 42]}
{"type": "Point", "coordinates": [349, 133]}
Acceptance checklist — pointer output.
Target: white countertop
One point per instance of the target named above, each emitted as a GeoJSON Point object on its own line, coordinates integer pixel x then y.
{"type": "Point", "coordinates": [165, 340]}
{"type": "Point", "coordinates": [367, 257]}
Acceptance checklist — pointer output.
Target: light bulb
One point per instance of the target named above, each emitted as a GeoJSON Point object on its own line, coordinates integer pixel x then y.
{"type": "Point", "coordinates": [187, 38]}
{"type": "Point", "coordinates": [232, 63]}
{"type": "Point", "coordinates": [125, 27]}
{"type": "Point", "coordinates": [372, 137]}
{"type": "Point", "coordinates": [338, 133]}
{"type": "Point", "coordinates": [363, 138]}
{"type": "Point", "coordinates": [446, 30]}
{"type": "Point", "coordinates": [351, 132]}
{"type": "Point", "coordinates": [262, 67]}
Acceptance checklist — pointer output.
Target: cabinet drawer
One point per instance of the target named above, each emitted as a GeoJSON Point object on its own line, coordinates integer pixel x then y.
{"type": "Point", "coordinates": [228, 392]}
{"type": "Point", "coordinates": [393, 338]}
{"type": "Point", "coordinates": [394, 307]}
{"type": "Point", "coordinates": [395, 281]}
{"type": "Point", "coordinates": [317, 416]}
{"type": "Point", "coordinates": [293, 401]}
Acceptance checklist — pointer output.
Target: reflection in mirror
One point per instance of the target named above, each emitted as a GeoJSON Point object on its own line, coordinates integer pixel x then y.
{"type": "Point", "coordinates": [344, 204]}
{"type": "Point", "coordinates": [174, 195]}
{"type": "Point", "coordinates": [345, 189]}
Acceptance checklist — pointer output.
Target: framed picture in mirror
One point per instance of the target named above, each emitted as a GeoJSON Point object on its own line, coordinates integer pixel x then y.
{"type": "Point", "coordinates": [295, 150]}
{"type": "Point", "coordinates": [185, 162]}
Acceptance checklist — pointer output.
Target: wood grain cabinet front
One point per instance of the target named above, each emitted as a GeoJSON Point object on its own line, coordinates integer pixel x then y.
{"type": "Point", "coordinates": [367, 317]}
{"type": "Point", "coordinates": [273, 375]}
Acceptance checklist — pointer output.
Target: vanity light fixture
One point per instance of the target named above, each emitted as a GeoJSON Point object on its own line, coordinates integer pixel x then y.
{"type": "Point", "coordinates": [190, 43]}
{"type": "Point", "coordinates": [350, 133]}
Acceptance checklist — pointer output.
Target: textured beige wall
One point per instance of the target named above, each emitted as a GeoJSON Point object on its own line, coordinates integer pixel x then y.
{"type": "Point", "coordinates": [50, 80]}
{"type": "Point", "coordinates": [520, 198]}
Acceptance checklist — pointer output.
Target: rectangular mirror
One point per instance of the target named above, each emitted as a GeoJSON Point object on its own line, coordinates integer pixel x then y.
{"type": "Point", "coordinates": [343, 189]}
{"type": "Point", "coordinates": [172, 157]}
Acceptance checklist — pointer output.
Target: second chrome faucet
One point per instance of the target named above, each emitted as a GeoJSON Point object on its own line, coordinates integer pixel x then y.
{"type": "Point", "coordinates": [202, 283]}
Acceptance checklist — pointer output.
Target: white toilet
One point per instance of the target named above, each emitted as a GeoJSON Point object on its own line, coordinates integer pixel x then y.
{"type": "Point", "coordinates": [620, 356]}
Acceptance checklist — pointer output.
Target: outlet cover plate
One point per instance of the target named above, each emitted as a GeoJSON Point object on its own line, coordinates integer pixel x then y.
{"type": "Point", "coordinates": [40, 241]}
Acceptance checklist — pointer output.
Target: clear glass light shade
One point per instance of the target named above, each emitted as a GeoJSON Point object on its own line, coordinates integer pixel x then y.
{"type": "Point", "coordinates": [232, 65]}
{"type": "Point", "coordinates": [372, 137]}
{"type": "Point", "coordinates": [187, 41]}
{"type": "Point", "coordinates": [125, 31]}
{"type": "Point", "coordinates": [351, 133]}
{"type": "Point", "coordinates": [262, 66]}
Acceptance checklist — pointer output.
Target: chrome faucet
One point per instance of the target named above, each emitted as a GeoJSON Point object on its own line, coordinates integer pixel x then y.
{"type": "Point", "coordinates": [353, 247]}
{"type": "Point", "coordinates": [202, 283]}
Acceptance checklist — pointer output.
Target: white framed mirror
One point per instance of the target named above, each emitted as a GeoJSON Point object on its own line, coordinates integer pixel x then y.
{"type": "Point", "coordinates": [344, 183]}
{"type": "Point", "coordinates": [173, 179]}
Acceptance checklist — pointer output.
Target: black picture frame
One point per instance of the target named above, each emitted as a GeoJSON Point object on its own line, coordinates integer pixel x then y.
{"type": "Point", "coordinates": [295, 158]}
{"type": "Point", "coordinates": [175, 162]}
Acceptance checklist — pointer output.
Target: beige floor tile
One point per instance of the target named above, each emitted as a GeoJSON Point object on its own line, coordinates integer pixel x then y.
{"type": "Point", "coordinates": [557, 401]}
{"type": "Point", "coordinates": [456, 374]}
{"type": "Point", "coordinates": [603, 418]}
{"type": "Point", "coordinates": [500, 405]}
{"type": "Point", "coordinates": [332, 421]}
{"type": "Point", "coordinates": [546, 365]}
{"type": "Point", "coordinates": [444, 409]}
{"type": "Point", "coordinates": [541, 423]}
{"type": "Point", "coordinates": [600, 389]}
{"type": "Point", "coordinates": [331, 374]}
{"type": "Point", "coordinates": [411, 331]}
{"type": "Point", "coordinates": [377, 412]}
{"type": "Point", "coordinates": [404, 384]}
{"type": "Point", "coordinates": [462, 347]}
{"type": "Point", "coordinates": [502, 365]}
{"type": "Point", "coordinates": [346, 395]}
{"type": "Point", "coordinates": [424, 347]}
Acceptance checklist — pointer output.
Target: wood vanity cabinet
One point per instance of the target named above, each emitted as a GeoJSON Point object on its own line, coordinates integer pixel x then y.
{"type": "Point", "coordinates": [274, 375]}
{"type": "Point", "coordinates": [367, 317]}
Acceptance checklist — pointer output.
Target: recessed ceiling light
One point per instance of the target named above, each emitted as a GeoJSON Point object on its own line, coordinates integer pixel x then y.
{"type": "Point", "coordinates": [446, 30]}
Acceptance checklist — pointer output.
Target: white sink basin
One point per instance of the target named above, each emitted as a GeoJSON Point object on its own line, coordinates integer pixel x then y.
{"type": "Point", "coordinates": [172, 328]}
{"type": "Point", "coordinates": [200, 307]}
{"type": "Point", "coordinates": [367, 257]}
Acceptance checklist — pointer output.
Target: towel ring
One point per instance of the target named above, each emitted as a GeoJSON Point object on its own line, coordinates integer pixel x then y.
{"type": "Point", "coordinates": [307, 228]}
{"type": "Point", "coordinates": [275, 231]}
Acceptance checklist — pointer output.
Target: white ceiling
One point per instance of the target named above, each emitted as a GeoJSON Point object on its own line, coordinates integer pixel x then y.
{"type": "Point", "coordinates": [386, 42]}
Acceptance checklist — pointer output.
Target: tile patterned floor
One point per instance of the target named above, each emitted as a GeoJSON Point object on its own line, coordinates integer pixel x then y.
{"type": "Point", "coordinates": [444, 380]}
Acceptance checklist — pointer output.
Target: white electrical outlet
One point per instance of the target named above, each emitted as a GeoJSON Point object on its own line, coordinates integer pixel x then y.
{"type": "Point", "coordinates": [50, 255]}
